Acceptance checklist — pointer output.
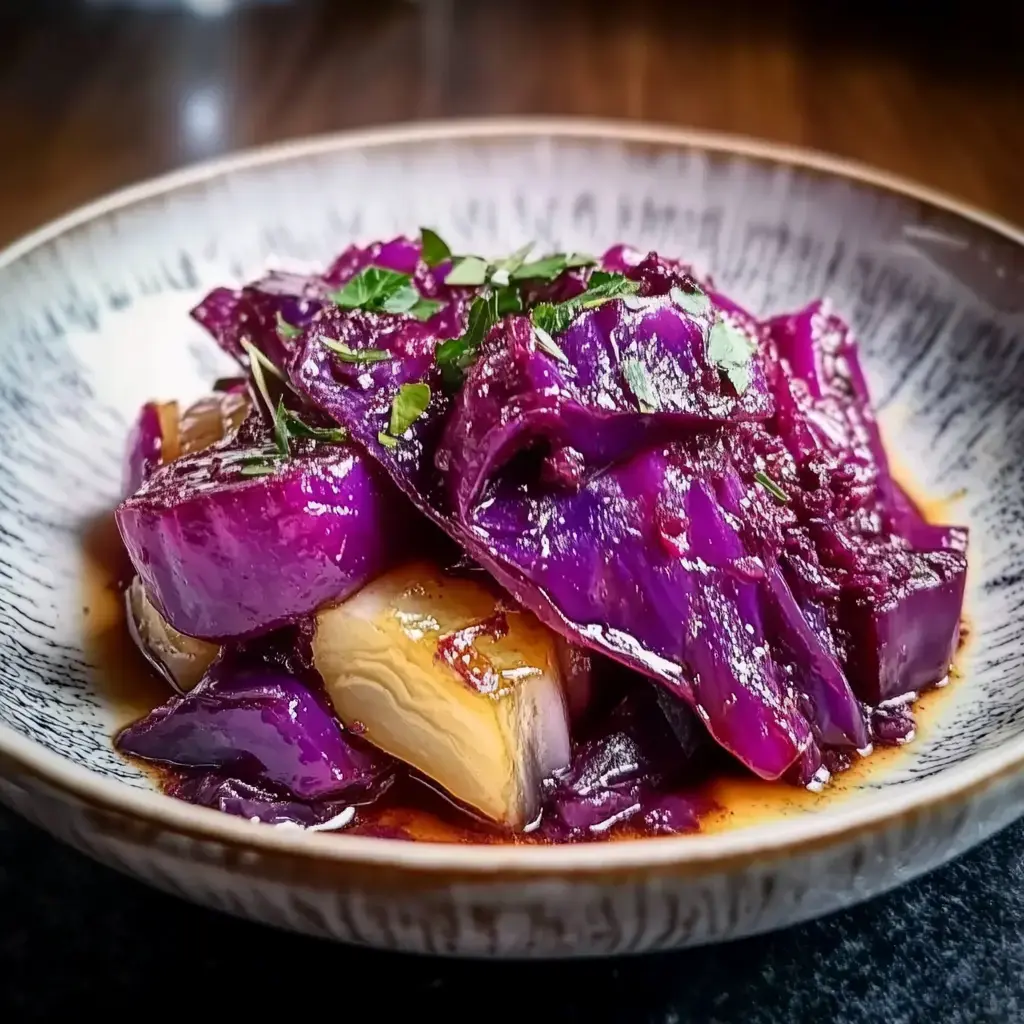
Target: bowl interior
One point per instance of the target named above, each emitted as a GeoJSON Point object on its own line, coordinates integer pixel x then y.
{"type": "Point", "coordinates": [95, 322]}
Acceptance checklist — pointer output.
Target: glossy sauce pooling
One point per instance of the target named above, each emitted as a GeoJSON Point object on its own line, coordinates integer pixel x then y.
{"type": "Point", "coordinates": [412, 810]}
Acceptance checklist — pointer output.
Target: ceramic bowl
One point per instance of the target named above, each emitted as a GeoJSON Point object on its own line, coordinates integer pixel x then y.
{"type": "Point", "coordinates": [94, 323]}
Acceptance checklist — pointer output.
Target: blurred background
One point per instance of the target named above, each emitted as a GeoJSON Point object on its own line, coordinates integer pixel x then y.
{"type": "Point", "coordinates": [96, 94]}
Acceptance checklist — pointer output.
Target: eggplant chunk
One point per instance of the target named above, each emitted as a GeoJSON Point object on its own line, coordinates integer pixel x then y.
{"type": "Point", "coordinates": [439, 672]}
{"type": "Point", "coordinates": [180, 659]}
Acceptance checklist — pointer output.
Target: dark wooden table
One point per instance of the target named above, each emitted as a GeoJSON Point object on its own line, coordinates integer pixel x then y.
{"type": "Point", "coordinates": [93, 97]}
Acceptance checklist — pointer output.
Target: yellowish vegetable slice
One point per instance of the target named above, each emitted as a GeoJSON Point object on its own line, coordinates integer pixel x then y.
{"type": "Point", "coordinates": [441, 673]}
{"type": "Point", "coordinates": [180, 659]}
{"type": "Point", "coordinates": [205, 422]}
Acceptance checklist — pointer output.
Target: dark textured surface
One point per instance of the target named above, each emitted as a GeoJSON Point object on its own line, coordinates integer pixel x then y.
{"type": "Point", "coordinates": [96, 95]}
{"type": "Point", "coordinates": [948, 948]}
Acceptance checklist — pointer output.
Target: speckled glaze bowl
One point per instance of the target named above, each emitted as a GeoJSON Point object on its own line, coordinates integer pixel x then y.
{"type": "Point", "coordinates": [94, 323]}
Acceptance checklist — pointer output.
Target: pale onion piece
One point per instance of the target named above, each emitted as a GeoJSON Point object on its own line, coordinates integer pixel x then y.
{"type": "Point", "coordinates": [170, 440]}
{"type": "Point", "coordinates": [180, 659]}
{"type": "Point", "coordinates": [205, 422]}
{"type": "Point", "coordinates": [386, 657]}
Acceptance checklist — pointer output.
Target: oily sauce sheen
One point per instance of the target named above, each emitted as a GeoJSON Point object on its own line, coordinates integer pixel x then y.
{"type": "Point", "coordinates": [412, 809]}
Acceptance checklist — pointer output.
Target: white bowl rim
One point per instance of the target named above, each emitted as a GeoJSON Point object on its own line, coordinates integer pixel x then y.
{"type": "Point", "coordinates": [701, 852]}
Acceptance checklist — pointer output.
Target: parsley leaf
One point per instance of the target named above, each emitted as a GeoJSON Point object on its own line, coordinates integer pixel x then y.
{"type": "Point", "coordinates": [550, 267]}
{"type": "Point", "coordinates": [370, 288]}
{"type": "Point", "coordinates": [257, 469]}
{"type": "Point", "coordinates": [258, 362]}
{"type": "Point", "coordinates": [771, 486]}
{"type": "Point", "coordinates": [424, 309]}
{"type": "Point", "coordinates": [408, 406]}
{"type": "Point", "coordinates": [552, 319]}
{"type": "Point", "coordinates": [641, 385]}
{"type": "Point", "coordinates": [468, 270]}
{"type": "Point", "coordinates": [731, 350]}
{"type": "Point", "coordinates": [285, 330]}
{"type": "Point", "coordinates": [352, 355]}
{"type": "Point", "coordinates": [296, 428]}
{"type": "Point", "coordinates": [388, 442]}
{"type": "Point", "coordinates": [510, 264]}
{"type": "Point", "coordinates": [433, 248]}
{"type": "Point", "coordinates": [281, 429]}
{"type": "Point", "coordinates": [606, 288]}
{"type": "Point", "coordinates": [547, 344]}
{"type": "Point", "coordinates": [695, 302]}
{"type": "Point", "coordinates": [555, 318]}
{"type": "Point", "coordinates": [454, 355]}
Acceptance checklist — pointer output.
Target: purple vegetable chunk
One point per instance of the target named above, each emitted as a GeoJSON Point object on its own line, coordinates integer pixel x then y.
{"type": "Point", "coordinates": [630, 771]}
{"type": "Point", "coordinates": [264, 728]}
{"type": "Point", "coordinates": [144, 450]}
{"type": "Point", "coordinates": [518, 395]}
{"type": "Point", "coordinates": [224, 554]}
{"type": "Point", "coordinates": [650, 607]}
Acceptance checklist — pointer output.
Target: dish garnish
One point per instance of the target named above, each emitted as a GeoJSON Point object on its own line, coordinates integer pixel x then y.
{"type": "Point", "coordinates": [554, 536]}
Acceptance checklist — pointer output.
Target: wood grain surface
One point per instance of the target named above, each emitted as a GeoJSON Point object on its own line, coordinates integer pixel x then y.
{"type": "Point", "coordinates": [94, 96]}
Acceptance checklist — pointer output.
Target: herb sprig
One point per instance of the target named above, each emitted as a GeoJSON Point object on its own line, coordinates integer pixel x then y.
{"type": "Point", "coordinates": [771, 486]}
{"type": "Point", "coordinates": [379, 290]}
{"type": "Point", "coordinates": [406, 408]}
{"type": "Point", "coordinates": [731, 350]}
{"type": "Point", "coordinates": [286, 425]}
{"type": "Point", "coordinates": [602, 287]}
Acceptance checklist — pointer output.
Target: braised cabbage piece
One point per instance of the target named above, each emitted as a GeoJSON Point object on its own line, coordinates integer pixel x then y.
{"type": "Point", "coordinates": [550, 535]}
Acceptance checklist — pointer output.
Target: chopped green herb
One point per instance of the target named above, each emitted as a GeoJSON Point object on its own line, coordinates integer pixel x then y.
{"type": "Point", "coordinates": [401, 300]}
{"type": "Point", "coordinates": [454, 355]}
{"type": "Point", "coordinates": [554, 319]}
{"type": "Point", "coordinates": [641, 385]}
{"type": "Point", "coordinates": [695, 302]}
{"type": "Point", "coordinates": [285, 330]}
{"type": "Point", "coordinates": [550, 267]}
{"type": "Point", "coordinates": [424, 309]}
{"type": "Point", "coordinates": [606, 288]}
{"type": "Point", "coordinates": [352, 355]}
{"type": "Point", "coordinates": [379, 290]}
{"type": "Point", "coordinates": [408, 406]}
{"type": "Point", "coordinates": [259, 459]}
{"type": "Point", "coordinates": [370, 288]}
{"type": "Point", "coordinates": [771, 486]}
{"type": "Point", "coordinates": [548, 344]}
{"type": "Point", "coordinates": [468, 270]}
{"type": "Point", "coordinates": [257, 469]}
{"type": "Point", "coordinates": [433, 248]}
{"type": "Point", "coordinates": [601, 277]}
{"type": "Point", "coordinates": [296, 427]}
{"type": "Point", "coordinates": [731, 350]}
{"type": "Point", "coordinates": [508, 301]}
{"type": "Point", "coordinates": [510, 264]}
{"type": "Point", "coordinates": [388, 442]}
{"type": "Point", "coordinates": [257, 363]}
{"type": "Point", "coordinates": [281, 429]}
{"type": "Point", "coordinates": [256, 356]}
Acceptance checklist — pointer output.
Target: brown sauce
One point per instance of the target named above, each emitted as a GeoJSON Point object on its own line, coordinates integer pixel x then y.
{"type": "Point", "coordinates": [413, 811]}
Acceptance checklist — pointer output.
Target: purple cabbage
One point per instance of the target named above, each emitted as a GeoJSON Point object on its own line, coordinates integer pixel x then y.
{"type": "Point", "coordinates": [789, 627]}
{"type": "Point", "coordinates": [676, 602]}
{"type": "Point", "coordinates": [224, 554]}
{"type": "Point", "coordinates": [628, 773]}
{"type": "Point", "coordinates": [518, 396]}
{"type": "Point", "coordinates": [144, 450]}
{"type": "Point", "coordinates": [255, 312]}
{"type": "Point", "coordinates": [256, 740]}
